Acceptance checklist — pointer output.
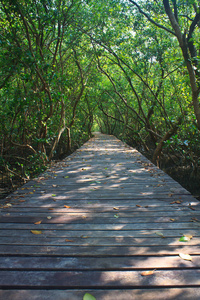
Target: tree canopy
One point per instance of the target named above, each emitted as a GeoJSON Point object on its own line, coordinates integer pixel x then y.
{"type": "Point", "coordinates": [128, 68]}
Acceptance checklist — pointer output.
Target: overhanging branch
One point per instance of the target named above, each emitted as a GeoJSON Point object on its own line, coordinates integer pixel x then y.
{"type": "Point", "coordinates": [150, 19]}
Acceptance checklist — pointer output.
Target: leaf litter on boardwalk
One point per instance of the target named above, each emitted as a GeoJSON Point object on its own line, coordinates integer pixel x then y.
{"type": "Point", "coordinates": [148, 273]}
{"type": "Point", "coordinates": [185, 256]}
{"type": "Point", "coordinates": [38, 222]}
{"type": "Point", "coordinates": [160, 234]}
{"type": "Point", "coordinates": [36, 231]}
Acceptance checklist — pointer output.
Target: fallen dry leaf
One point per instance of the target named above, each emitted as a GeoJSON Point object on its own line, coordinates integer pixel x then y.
{"type": "Point", "coordinates": [84, 236]}
{"type": "Point", "coordinates": [116, 208]}
{"type": "Point", "coordinates": [177, 202]}
{"type": "Point", "coordinates": [138, 205]}
{"type": "Point", "coordinates": [66, 206]}
{"type": "Point", "coordinates": [49, 217]}
{"type": "Point", "coordinates": [191, 207]}
{"type": "Point", "coordinates": [160, 234]}
{"type": "Point", "coordinates": [172, 219]}
{"type": "Point", "coordinates": [66, 240]}
{"type": "Point", "coordinates": [147, 273]}
{"type": "Point", "coordinates": [185, 256]}
{"type": "Point", "coordinates": [36, 231]}
{"type": "Point", "coordinates": [189, 236]}
{"type": "Point", "coordinates": [37, 223]}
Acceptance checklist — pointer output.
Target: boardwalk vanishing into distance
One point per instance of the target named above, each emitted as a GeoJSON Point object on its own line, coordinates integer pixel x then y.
{"type": "Point", "coordinates": [104, 221]}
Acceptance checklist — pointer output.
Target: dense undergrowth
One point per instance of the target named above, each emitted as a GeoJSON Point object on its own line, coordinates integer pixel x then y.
{"type": "Point", "coordinates": [18, 166]}
{"type": "Point", "coordinates": [177, 163]}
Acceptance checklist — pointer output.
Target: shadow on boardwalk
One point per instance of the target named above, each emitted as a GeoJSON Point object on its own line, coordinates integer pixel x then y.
{"type": "Point", "coordinates": [94, 223]}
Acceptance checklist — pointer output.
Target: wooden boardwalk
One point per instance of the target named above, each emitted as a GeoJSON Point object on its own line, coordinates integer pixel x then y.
{"type": "Point", "coordinates": [94, 223]}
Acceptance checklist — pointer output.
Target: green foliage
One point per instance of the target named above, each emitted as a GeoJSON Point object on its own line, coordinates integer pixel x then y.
{"type": "Point", "coordinates": [36, 164]}
{"type": "Point", "coordinates": [70, 67]}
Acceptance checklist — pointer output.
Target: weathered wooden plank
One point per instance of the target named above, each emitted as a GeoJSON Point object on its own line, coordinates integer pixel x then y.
{"type": "Point", "coordinates": [97, 250]}
{"type": "Point", "coordinates": [144, 198]}
{"type": "Point", "coordinates": [111, 197]}
{"type": "Point", "coordinates": [83, 219]}
{"type": "Point", "coordinates": [101, 233]}
{"type": "Point", "coordinates": [103, 226]}
{"type": "Point", "coordinates": [96, 193]}
{"type": "Point", "coordinates": [103, 182]}
{"type": "Point", "coordinates": [72, 213]}
{"type": "Point", "coordinates": [128, 294]}
{"type": "Point", "coordinates": [97, 208]}
{"type": "Point", "coordinates": [106, 182]}
{"type": "Point", "coordinates": [97, 263]}
{"type": "Point", "coordinates": [42, 240]}
{"type": "Point", "coordinates": [109, 193]}
{"type": "Point", "coordinates": [89, 279]}
{"type": "Point", "coordinates": [97, 180]}
{"type": "Point", "coordinates": [136, 207]}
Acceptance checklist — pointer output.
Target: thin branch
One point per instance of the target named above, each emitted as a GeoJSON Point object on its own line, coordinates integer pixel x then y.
{"type": "Point", "coordinates": [116, 119]}
{"type": "Point", "coordinates": [14, 173]}
{"type": "Point", "coordinates": [25, 146]}
{"type": "Point", "coordinates": [115, 89]}
{"type": "Point", "coordinates": [171, 72]}
{"type": "Point", "coordinates": [150, 19]}
{"type": "Point", "coordinates": [187, 17]}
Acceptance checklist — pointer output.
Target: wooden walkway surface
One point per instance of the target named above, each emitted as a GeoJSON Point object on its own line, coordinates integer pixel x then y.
{"type": "Point", "coordinates": [94, 223]}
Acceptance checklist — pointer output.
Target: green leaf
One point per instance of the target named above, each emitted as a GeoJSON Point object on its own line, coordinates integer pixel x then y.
{"type": "Point", "coordinates": [66, 177]}
{"type": "Point", "coordinates": [88, 296]}
{"type": "Point", "coordinates": [184, 239]}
